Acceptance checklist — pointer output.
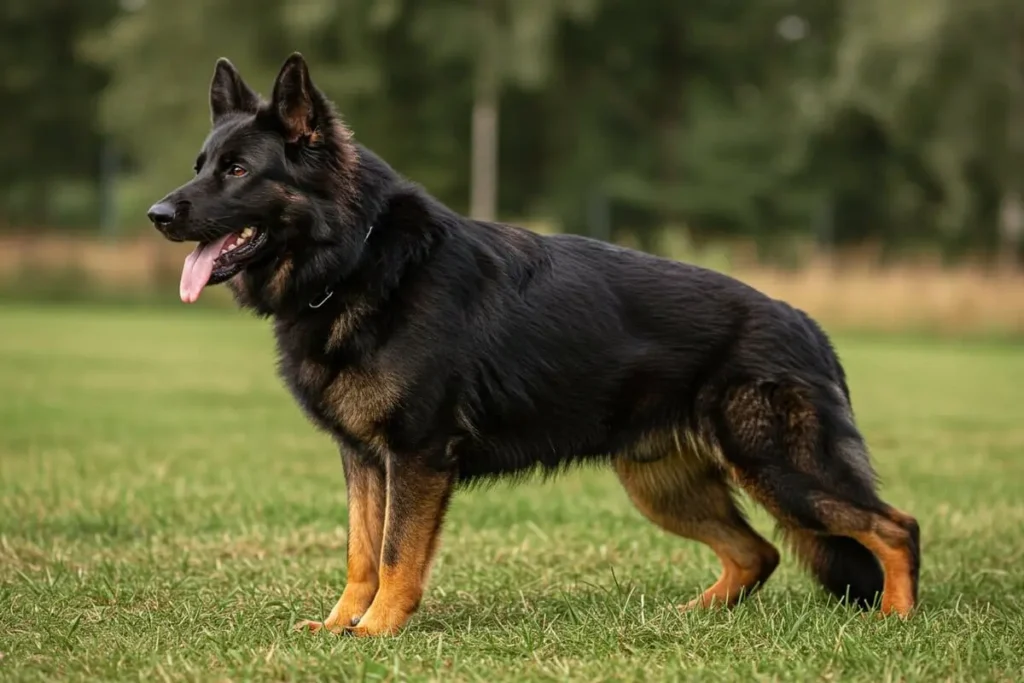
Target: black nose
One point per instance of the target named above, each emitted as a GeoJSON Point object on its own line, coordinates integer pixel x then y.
{"type": "Point", "coordinates": [161, 214]}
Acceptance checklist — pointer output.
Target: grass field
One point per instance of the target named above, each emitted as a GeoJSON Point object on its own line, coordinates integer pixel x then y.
{"type": "Point", "coordinates": [167, 513]}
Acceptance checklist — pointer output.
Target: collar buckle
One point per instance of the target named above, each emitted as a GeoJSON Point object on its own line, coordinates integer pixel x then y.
{"type": "Point", "coordinates": [329, 293]}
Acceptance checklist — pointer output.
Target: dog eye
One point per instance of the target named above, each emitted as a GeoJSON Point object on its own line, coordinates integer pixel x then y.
{"type": "Point", "coordinates": [236, 171]}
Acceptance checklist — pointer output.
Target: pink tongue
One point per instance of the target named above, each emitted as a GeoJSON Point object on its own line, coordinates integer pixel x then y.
{"type": "Point", "coordinates": [198, 267]}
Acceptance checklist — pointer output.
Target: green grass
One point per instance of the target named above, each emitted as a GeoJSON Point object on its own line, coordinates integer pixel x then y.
{"type": "Point", "coordinates": [167, 513]}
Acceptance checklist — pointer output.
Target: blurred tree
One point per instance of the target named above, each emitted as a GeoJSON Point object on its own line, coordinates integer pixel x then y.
{"type": "Point", "coordinates": [940, 84]}
{"type": "Point", "coordinates": [683, 113]}
{"type": "Point", "coordinates": [50, 101]}
{"type": "Point", "coordinates": [504, 42]}
{"type": "Point", "coordinates": [161, 56]}
{"type": "Point", "coordinates": [365, 53]}
{"type": "Point", "coordinates": [848, 120]}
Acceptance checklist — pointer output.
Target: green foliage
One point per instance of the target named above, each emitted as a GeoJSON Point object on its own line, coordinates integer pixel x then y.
{"type": "Point", "coordinates": [49, 97]}
{"type": "Point", "coordinates": [161, 58]}
{"type": "Point", "coordinates": [939, 84]}
{"type": "Point", "coordinates": [845, 120]}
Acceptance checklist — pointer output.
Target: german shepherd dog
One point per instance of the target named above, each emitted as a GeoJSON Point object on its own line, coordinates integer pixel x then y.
{"type": "Point", "coordinates": [439, 351]}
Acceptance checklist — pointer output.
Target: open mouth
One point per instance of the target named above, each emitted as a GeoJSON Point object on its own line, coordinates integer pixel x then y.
{"type": "Point", "coordinates": [214, 262]}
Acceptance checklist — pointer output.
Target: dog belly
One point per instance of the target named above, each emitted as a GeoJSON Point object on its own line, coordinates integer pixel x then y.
{"type": "Point", "coordinates": [484, 458]}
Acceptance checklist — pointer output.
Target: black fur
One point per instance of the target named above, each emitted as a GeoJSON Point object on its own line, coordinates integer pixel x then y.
{"type": "Point", "coordinates": [849, 571]}
{"type": "Point", "coordinates": [502, 352]}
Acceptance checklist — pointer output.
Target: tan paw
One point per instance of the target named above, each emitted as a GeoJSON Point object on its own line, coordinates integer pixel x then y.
{"type": "Point", "coordinates": [315, 626]}
{"type": "Point", "coordinates": [379, 622]}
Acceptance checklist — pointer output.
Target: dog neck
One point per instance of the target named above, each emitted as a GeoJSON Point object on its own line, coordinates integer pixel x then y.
{"type": "Point", "coordinates": [328, 292]}
{"type": "Point", "coordinates": [361, 269]}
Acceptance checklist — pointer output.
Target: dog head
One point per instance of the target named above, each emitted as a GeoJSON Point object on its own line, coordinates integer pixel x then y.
{"type": "Point", "coordinates": [274, 184]}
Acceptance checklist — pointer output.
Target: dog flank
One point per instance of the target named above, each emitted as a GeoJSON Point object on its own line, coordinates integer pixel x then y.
{"type": "Point", "coordinates": [700, 448]}
{"type": "Point", "coordinates": [443, 352]}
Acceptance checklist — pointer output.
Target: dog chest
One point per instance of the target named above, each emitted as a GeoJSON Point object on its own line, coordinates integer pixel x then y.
{"type": "Point", "coordinates": [351, 400]}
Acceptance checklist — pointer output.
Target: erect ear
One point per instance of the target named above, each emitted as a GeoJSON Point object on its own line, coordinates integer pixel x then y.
{"type": "Point", "coordinates": [299, 106]}
{"type": "Point", "coordinates": [229, 94]}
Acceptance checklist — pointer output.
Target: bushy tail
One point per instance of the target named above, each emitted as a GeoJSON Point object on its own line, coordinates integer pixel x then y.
{"type": "Point", "coordinates": [842, 566]}
{"type": "Point", "coordinates": [795, 448]}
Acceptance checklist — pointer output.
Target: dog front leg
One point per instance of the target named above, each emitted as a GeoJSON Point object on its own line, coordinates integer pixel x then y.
{"type": "Point", "coordinates": [365, 481]}
{"type": "Point", "coordinates": [417, 499]}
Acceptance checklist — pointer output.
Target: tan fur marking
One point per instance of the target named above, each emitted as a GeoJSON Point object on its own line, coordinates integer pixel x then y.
{"type": "Point", "coordinates": [901, 518]}
{"type": "Point", "coordinates": [239, 288]}
{"type": "Point", "coordinates": [366, 511]}
{"type": "Point", "coordinates": [673, 471]}
{"type": "Point", "coordinates": [412, 524]}
{"type": "Point", "coordinates": [685, 493]}
{"type": "Point", "coordinates": [749, 414]}
{"type": "Point", "coordinates": [742, 569]}
{"type": "Point", "coordinates": [348, 156]}
{"type": "Point", "coordinates": [360, 399]}
{"type": "Point", "coordinates": [885, 538]}
{"type": "Point", "coordinates": [312, 374]}
{"type": "Point", "coordinates": [841, 517]}
{"type": "Point", "coordinates": [278, 282]}
{"type": "Point", "coordinates": [289, 194]}
{"type": "Point", "coordinates": [344, 325]}
{"type": "Point", "coordinates": [898, 587]}
{"type": "Point", "coordinates": [802, 432]}
{"type": "Point", "coordinates": [765, 497]}
{"type": "Point", "coordinates": [659, 444]}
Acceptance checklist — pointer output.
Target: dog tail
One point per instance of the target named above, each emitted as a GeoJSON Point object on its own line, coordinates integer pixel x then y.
{"type": "Point", "coordinates": [792, 443]}
{"type": "Point", "coordinates": [844, 567]}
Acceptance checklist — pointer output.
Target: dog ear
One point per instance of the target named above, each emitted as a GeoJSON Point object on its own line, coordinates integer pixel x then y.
{"type": "Point", "coordinates": [229, 93]}
{"type": "Point", "coordinates": [296, 102]}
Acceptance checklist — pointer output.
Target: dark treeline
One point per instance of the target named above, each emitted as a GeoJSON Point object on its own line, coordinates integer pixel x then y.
{"type": "Point", "coordinates": [846, 121]}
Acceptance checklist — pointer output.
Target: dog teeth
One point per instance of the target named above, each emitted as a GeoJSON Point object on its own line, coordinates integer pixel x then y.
{"type": "Point", "coordinates": [239, 240]}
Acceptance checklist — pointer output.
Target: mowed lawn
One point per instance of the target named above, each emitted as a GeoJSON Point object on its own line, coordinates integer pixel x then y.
{"type": "Point", "coordinates": [167, 513]}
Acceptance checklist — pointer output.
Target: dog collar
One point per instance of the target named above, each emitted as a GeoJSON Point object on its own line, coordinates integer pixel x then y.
{"type": "Point", "coordinates": [328, 292]}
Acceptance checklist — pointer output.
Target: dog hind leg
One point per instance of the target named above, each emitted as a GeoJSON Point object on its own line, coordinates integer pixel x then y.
{"type": "Point", "coordinates": [797, 452]}
{"type": "Point", "coordinates": [689, 497]}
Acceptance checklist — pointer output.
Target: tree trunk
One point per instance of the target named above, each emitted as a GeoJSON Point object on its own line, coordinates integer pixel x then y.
{"type": "Point", "coordinates": [669, 115]}
{"type": "Point", "coordinates": [1011, 229]}
{"type": "Point", "coordinates": [1011, 223]}
{"type": "Point", "coordinates": [484, 170]}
